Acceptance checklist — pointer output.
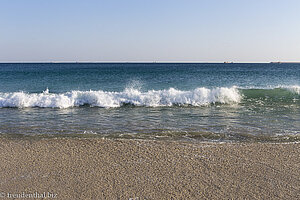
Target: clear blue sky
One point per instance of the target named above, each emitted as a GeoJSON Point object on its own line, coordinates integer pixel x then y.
{"type": "Point", "coordinates": [150, 30]}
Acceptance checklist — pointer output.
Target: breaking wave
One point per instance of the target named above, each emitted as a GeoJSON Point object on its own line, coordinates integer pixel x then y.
{"type": "Point", "coordinates": [152, 98]}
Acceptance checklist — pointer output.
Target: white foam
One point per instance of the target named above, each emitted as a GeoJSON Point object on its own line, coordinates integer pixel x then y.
{"type": "Point", "coordinates": [152, 98]}
{"type": "Point", "coordinates": [294, 89]}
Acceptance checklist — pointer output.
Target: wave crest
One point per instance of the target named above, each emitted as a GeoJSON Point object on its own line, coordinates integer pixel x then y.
{"type": "Point", "coordinates": [152, 98]}
{"type": "Point", "coordinates": [294, 89]}
{"type": "Point", "coordinates": [276, 93]}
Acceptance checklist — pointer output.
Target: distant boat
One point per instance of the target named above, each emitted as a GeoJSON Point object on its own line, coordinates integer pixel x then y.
{"type": "Point", "coordinates": [279, 62]}
{"type": "Point", "coordinates": [276, 62]}
{"type": "Point", "coordinates": [228, 62]}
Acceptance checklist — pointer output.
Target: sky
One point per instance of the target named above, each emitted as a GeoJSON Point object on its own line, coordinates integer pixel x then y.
{"type": "Point", "coordinates": [150, 30]}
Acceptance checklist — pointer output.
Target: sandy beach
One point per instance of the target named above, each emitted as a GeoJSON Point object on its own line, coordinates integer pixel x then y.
{"type": "Point", "coordinates": [76, 168]}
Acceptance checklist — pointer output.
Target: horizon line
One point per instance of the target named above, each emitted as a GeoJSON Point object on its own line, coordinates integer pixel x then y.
{"type": "Point", "coordinates": [228, 62]}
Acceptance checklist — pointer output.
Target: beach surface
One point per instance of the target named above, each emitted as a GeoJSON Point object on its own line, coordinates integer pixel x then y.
{"type": "Point", "coordinates": [95, 168]}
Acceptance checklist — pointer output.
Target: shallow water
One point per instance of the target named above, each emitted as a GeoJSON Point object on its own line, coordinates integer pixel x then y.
{"type": "Point", "coordinates": [215, 102]}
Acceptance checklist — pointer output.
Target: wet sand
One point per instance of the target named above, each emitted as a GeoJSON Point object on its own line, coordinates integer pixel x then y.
{"type": "Point", "coordinates": [75, 168]}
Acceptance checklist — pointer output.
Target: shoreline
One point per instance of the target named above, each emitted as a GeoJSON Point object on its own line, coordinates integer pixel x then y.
{"type": "Point", "coordinates": [95, 168]}
{"type": "Point", "coordinates": [193, 139]}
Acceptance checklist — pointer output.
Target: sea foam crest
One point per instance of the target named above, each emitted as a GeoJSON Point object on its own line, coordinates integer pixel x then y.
{"type": "Point", "coordinates": [294, 89]}
{"type": "Point", "coordinates": [152, 98]}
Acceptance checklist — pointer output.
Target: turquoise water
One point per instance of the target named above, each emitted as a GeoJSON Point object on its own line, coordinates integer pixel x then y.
{"type": "Point", "coordinates": [222, 102]}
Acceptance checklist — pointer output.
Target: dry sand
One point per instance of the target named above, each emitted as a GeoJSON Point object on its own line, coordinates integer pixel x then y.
{"type": "Point", "coordinates": [76, 168]}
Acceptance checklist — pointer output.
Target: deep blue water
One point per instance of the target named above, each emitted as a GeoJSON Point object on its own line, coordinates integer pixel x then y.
{"type": "Point", "coordinates": [191, 101]}
{"type": "Point", "coordinates": [115, 77]}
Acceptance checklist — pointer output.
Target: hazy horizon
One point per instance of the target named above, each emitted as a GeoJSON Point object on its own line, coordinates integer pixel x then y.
{"type": "Point", "coordinates": [204, 62]}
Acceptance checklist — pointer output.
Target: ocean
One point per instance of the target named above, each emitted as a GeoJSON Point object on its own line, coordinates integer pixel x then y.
{"type": "Point", "coordinates": [175, 101]}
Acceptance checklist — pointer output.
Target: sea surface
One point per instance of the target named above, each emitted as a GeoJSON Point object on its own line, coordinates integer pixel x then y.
{"type": "Point", "coordinates": [196, 102]}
